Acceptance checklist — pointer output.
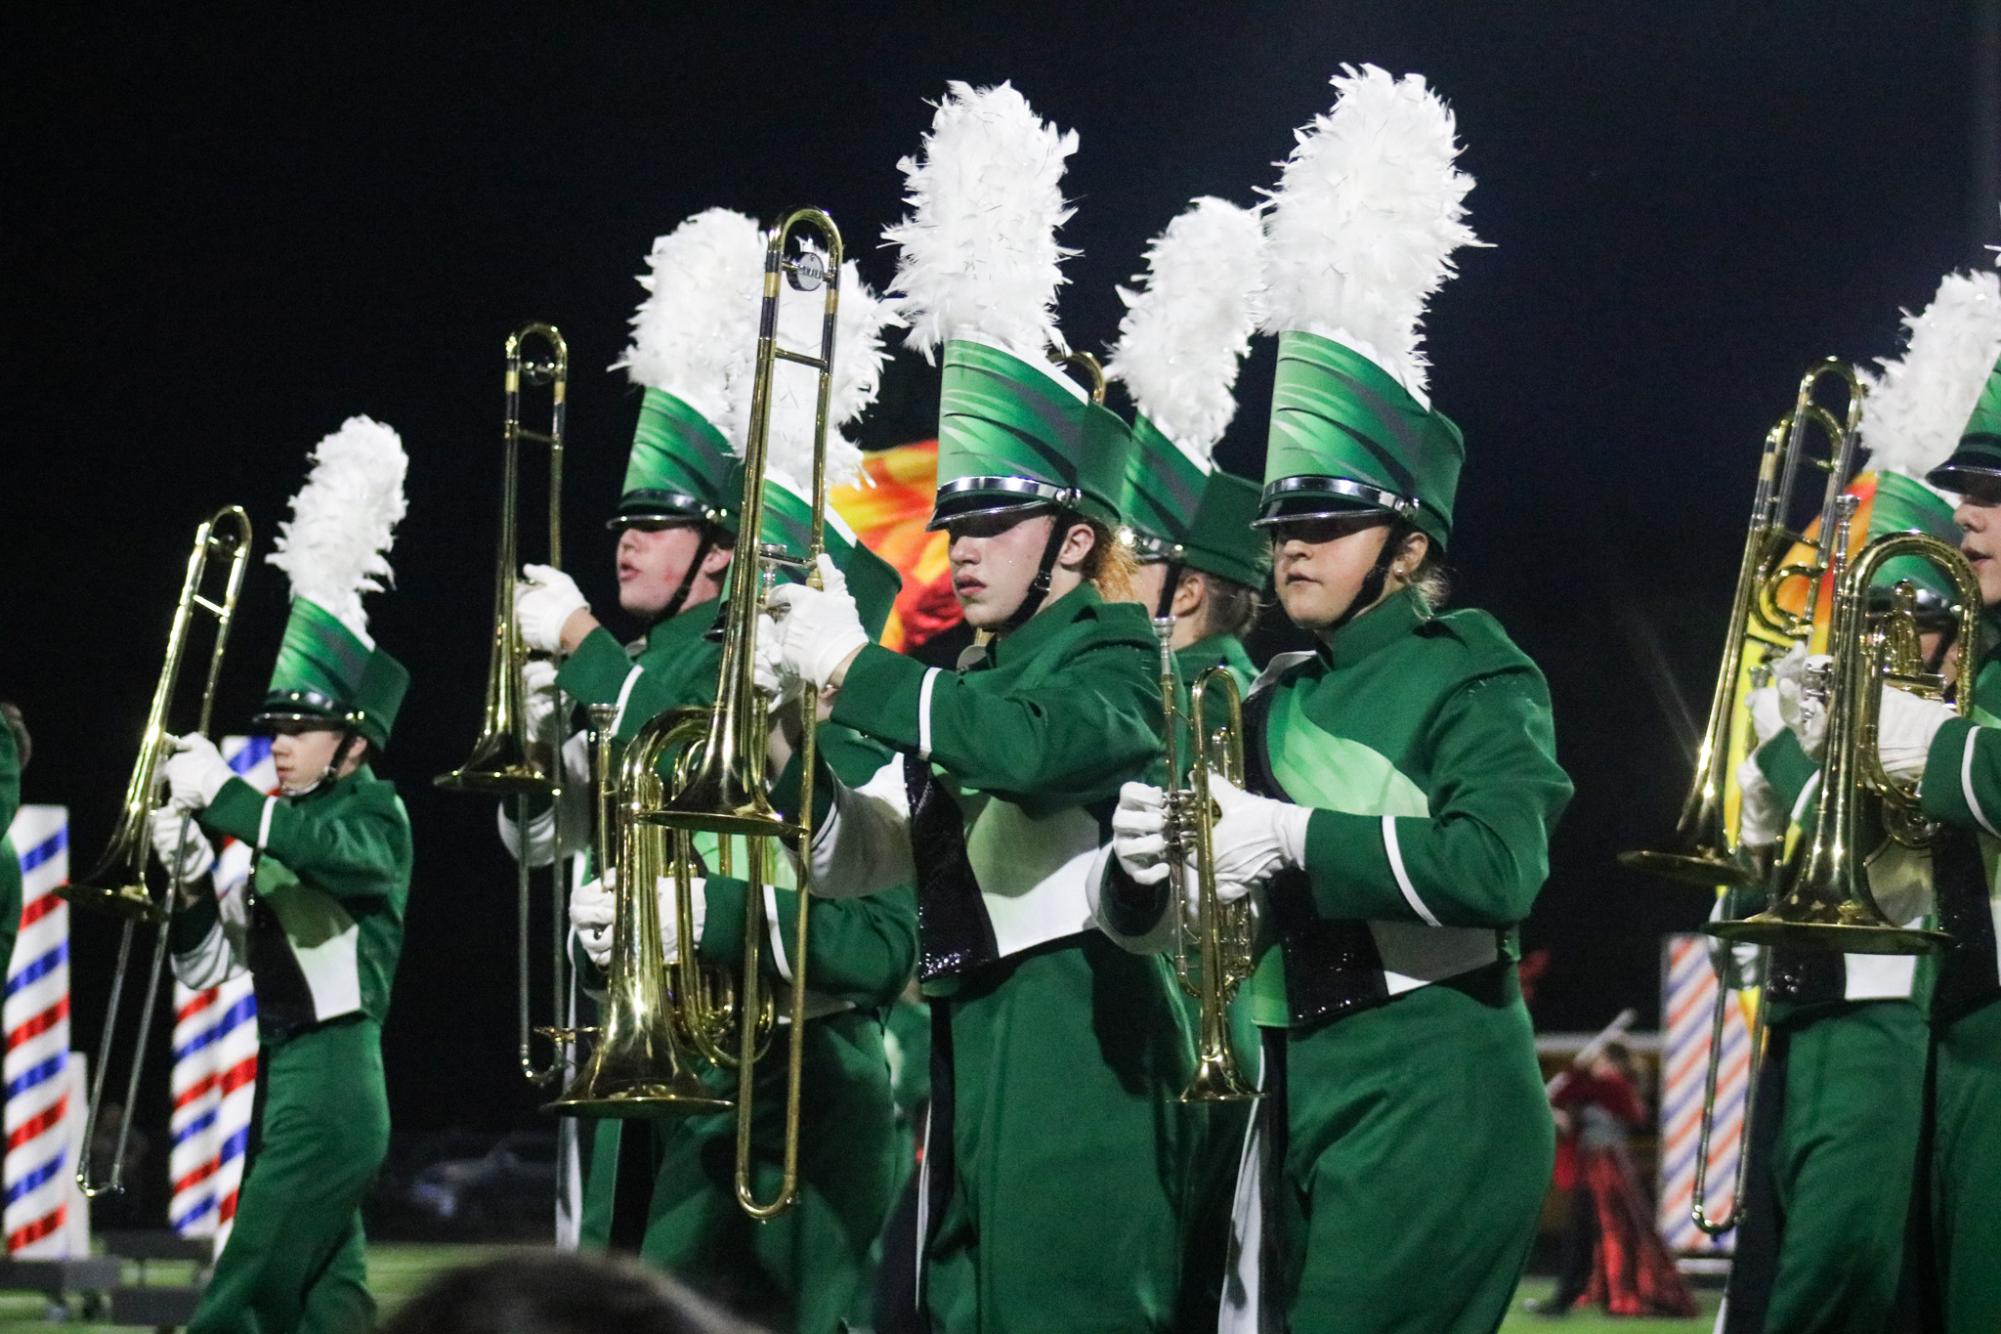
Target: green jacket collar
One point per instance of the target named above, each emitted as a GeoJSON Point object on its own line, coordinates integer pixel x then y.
{"type": "Point", "coordinates": [1022, 644]}
{"type": "Point", "coordinates": [1212, 649]}
{"type": "Point", "coordinates": [363, 773]}
{"type": "Point", "coordinates": [688, 624]}
{"type": "Point", "coordinates": [1376, 628]}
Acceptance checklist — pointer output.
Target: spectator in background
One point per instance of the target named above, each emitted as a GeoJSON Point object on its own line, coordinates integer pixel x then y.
{"type": "Point", "coordinates": [1612, 1255]}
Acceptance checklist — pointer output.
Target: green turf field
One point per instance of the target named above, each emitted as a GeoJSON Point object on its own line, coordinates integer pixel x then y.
{"type": "Point", "coordinates": [398, 1270]}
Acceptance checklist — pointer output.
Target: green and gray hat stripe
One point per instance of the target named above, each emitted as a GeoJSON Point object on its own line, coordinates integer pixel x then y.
{"type": "Point", "coordinates": [679, 467]}
{"type": "Point", "coordinates": [1163, 491]}
{"type": "Point", "coordinates": [326, 673]}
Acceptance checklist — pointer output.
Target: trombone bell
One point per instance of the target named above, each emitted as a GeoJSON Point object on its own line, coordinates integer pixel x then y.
{"type": "Point", "coordinates": [1704, 866]}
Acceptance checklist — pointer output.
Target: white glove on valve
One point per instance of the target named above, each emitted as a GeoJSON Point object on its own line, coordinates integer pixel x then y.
{"type": "Point", "coordinates": [591, 917]}
{"type": "Point", "coordinates": [822, 625]}
{"type": "Point", "coordinates": [195, 772]}
{"type": "Point", "coordinates": [538, 697]}
{"type": "Point", "coordinates": [1254, 837]}
{"type": "Point", "coordinates": [1139, 833]}
{"type": "Point", "coordinates": [185, 862]}
{"type": "Point", "coordinates": [1766, 719]}
{"type": "Point", "coordinates": [543, 600]}
{"type": "Point", "coordinates": [773, 679]}
{"type": "Point", "coordinates": [1904, 732]}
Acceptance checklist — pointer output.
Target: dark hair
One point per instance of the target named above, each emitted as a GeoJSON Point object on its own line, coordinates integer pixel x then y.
{"type": "Point", "coordinates": [1230, 608]}
{"type": "Point", "coordinates": [19, 727]}
{"type": "Point", "coordinates": [551, 1292]}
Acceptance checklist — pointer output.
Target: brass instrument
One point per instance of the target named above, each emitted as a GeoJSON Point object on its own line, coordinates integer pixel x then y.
{"type": "Point", "coordinates": [1827, 903]}
{"type": "Point", "coordinates": [1221, 931]}
{"type": "Point", "coordinates": [505, 761]}
{"type": "Point", "coordinates": [118, 882]}
{"type": "Point", "coordinates": [1706, 851]}
{"type": "Point", "coordinates": [636, 1067]}
{"type": "Point", "coordinates": [718, 787]}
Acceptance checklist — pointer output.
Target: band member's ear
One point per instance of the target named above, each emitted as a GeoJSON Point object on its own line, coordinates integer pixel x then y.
{"type": "Point", "coordinates": [717, 559]}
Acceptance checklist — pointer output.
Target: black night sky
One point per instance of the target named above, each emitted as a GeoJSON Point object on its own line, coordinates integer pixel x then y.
{"type": "Point", "coordinates": [224, 231]}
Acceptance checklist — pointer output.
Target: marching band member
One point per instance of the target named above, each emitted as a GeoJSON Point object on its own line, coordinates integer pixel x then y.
{"type": "Point", "coordinates": [1402, 785]}
{"type": "Point", "coordinates": [802, 1270]}
{"type": "Point", "coordinates": [1201, 565]}
{"type": "Point", "coordinates": [1957, 763]}
{"type": "Point", "coordinates": [320, 926]}
{"type": "Point", "coordinates": [676, 529]}
{"type": "Point", "coordinates": [1053, 1164]}
{"type": "Point", "coordinates": [1841, 1092]}
{"type": "Point", "coordinates": [14, 751]}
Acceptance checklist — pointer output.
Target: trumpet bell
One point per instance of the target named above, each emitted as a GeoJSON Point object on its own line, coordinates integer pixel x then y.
{"type": "Point", "coordinates": [1704, 867]}
{"type": "Point", "coordinates": [1843, 928]}
{"type": "Point", "coordinates": [638, 1077]}
{"type": "Point", "coordinates": [498, 767]}
{"type": "Point", "coordinates": [1217, 1080]}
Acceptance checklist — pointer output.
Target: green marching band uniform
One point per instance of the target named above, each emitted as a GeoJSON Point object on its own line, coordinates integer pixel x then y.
{"type": "Point", "coordinates": [319, 927]}
{"type": "Point", "coordinates": [1005, 776]}
{"type": "Point", "coordinates": [1825, 1242]}
{"type": "Point", "coordinates": [1410, 756]}
{"type": "Point", "coordinates": [1961, 786]}
{"type": "Point", "coordinates": [665, 1186]}
{"type": "Point", "coordinates": [1180, 344]}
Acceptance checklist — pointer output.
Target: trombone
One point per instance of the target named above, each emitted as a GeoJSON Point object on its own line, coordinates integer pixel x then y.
{"type": "Point", "coordinates": [1222, 932]}
{"type": "Point", "coordinates": [1827, 903]}
{"type": "Point", "coordinates": [718, 787]}
{"type": "Point", "coordinates": [1705, 852]}
{"type": "Point", "coordinates": [117, 885]}
{"type": "Point", "coordinates": [505, 761]}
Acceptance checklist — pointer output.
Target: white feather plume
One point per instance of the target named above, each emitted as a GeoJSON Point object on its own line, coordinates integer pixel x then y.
{"type": "Point", "coordinates": [1184, 333]}
{"type": "Point", "coordinates": [696, 329]}
{"type": "Point", "coordinates": [1362, 225]}
{"type": "Point", "coordinates": [335, 546]}
{"type": "Point", "coordinates": [859, 354]}
{"type": "Point", "coordinates": [979, 255]}
{"type": "Point", "coordinates": [1918, 403]}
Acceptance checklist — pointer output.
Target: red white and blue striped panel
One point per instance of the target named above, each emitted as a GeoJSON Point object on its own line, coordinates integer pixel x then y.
{"type": "Point", "coordinates": [39, 1111]}
{"type": "Point", "coordinates": [214, 1079]}
{"type": "Point", "coordinates": [1688, 993]}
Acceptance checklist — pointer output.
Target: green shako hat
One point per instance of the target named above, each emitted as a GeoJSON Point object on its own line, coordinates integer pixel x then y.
{"type": "Point", "coordinates": [1917, 407]}
{"type": "Point", "coordinates": [977, 274]}
{"type": "Point", "coordinates": [1360, 232]}
{"type": "Point", "coordinates": [1916, 421]}
{"type": "Point", "coordinates": [693, 337]}
{"type": "Point", "coordinates": [334, 548]}
{"type": "Point", "coordinates": [1183, 335]}
{"type": "Point", "coordinates": [786, 535]}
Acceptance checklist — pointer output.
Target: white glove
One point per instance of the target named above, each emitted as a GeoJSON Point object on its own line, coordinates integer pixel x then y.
{"type": "Point", "coordinates": [1761, 820]}
{"type": "Point", "coordinates": [1905, 730]}
{"type": "Point", "coordinates": [1802, 703]}
{"type": "Point", "coordinates": [544, 599]}
{"type": "Point", "coordinates": [185, 862]}
{"type": "Point", "coordinates": [538, 696]}
{"type": "Point", "coordinates": [777, 683]}
{"type": "Point", "coordinates": [1254, 837]}
{"type": "Point", "coordinates": [1139, 833]}
{"type": "Point", "coordinates": [591, 915]}
{"type": "Point", "coordinates": [195, 772]}
{"type": "Point", "coordinates": [670, 924]}
{"type": "Point", "coordinates": [822, 626]}
{"type": "Point", "coordinates": [1766, 719]}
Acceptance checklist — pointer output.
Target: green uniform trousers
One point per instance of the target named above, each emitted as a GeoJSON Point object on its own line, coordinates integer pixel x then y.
{"type": "Point", "coordinates": [1055, 1205]}
{"type": "Point", "coordinates": [802, 1270]}
{"type": "Point", "coordinates": [1417, 1149]}
{"type": "Point", "coordinates": [1966, 1171]}
{"type": "Point", "coordinates": [1854, 1101]}
{"type": "Point", "coordinates": [294, 1260]}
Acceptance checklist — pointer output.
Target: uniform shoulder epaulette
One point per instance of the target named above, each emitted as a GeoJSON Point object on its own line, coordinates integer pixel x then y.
{"type": "Point", "coordinates": [1122, 620]}
{"type": "Point", "coordinates": [1487, 645]}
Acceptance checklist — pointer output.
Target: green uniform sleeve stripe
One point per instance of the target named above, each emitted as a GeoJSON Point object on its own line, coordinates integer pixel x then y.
{"type": "Point", "coordinates": [881, 697]}
{"type": "Point", "coordinates": [1348, 866]}
{"type": "Point", "coordinates": [239, 811]}
{"type": "Point", "coordinates": [1962, 782]}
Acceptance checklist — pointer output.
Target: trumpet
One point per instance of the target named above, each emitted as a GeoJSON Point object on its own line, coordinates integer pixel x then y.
{"type": "Point", "coordinates": [117, 884]}
{"type": "Point", "coordinates": [1827, 903]}
{"type": "Point", "coordinates": [1706, 849]}
{"type": "Point", "coordinates": [505, 761]}
{"type": "Point", "coordinates": [1222, 932]}
{"type": "Point", "coordinates": [718, 788]}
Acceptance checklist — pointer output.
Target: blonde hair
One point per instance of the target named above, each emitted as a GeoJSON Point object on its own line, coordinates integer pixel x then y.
{"type": "Point", "coordinates": [1111, 564]}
